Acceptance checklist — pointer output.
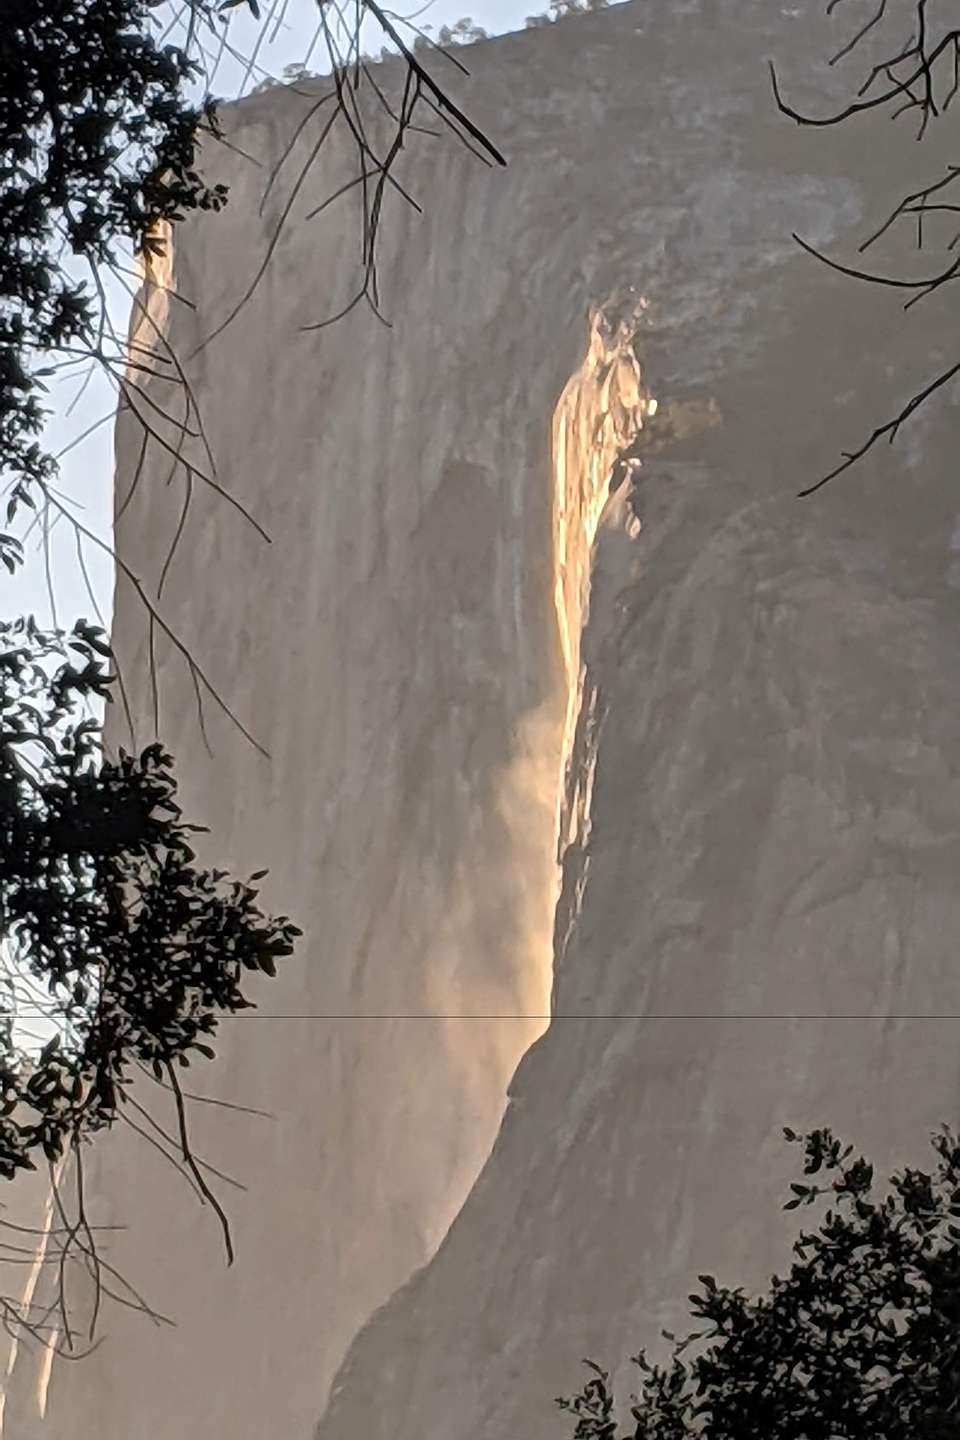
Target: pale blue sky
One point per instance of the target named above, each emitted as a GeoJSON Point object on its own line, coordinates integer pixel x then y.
{"type": "Point", "coordinates": [86, 481]}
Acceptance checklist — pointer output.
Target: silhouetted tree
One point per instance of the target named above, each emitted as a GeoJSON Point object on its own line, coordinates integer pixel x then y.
{"type": "Point", "coordinates": [137, 950]}
{"type": "Point", "coordinates": [861, 1341]}
{"type": "Point", "coordinates": [132, 950]}
{"type": "Point", "coordinates": [97, 146]}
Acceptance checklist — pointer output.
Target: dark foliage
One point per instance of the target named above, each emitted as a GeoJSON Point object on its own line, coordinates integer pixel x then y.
{"type": "Point", "coordinates": [139, 950]}
{"type": "Point", "coordinates": [861, 1341]}
{"type": "Point", "coordinates": [97, 146]}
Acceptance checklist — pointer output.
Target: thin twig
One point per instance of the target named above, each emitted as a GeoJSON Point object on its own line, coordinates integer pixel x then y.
{"type": "Point", "coordinates": [194, 1168]}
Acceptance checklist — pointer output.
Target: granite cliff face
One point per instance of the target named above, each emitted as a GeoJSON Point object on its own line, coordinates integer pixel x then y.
{"type": "Point", "coordinates": [478, 641]}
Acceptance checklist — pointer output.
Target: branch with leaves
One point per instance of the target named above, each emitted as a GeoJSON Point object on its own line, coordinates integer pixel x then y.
{"type": "Point", "coordinates": [138, 950]}
{"type": "Point", "coordinates": [860, 1341]}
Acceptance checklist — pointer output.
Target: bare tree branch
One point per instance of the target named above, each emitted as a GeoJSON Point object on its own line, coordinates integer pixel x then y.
{"type": "Point", "coordinates": [910, 74]}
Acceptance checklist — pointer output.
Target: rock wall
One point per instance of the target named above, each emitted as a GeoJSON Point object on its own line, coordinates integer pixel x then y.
{"type": "Point", "coordinates": [477, 641]}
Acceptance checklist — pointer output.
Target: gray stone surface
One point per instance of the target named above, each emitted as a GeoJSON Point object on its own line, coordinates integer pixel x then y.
{"type": "Point", "coordinates": [763, 805]}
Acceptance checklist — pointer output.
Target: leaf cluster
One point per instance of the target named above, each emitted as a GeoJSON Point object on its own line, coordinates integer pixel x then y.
{"type": "Point", "coordinates": [101, 899]}
{"type": "Point", "coordinates": [860, 1341]}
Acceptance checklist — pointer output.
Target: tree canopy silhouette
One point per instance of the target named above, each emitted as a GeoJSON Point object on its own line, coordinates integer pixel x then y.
{"type": "Point", "coordinates": [860, 1341]}
{"type": "Point", "coordinates": [97, 146]}
{"type": "Point", "coordinates": [139, 950]}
